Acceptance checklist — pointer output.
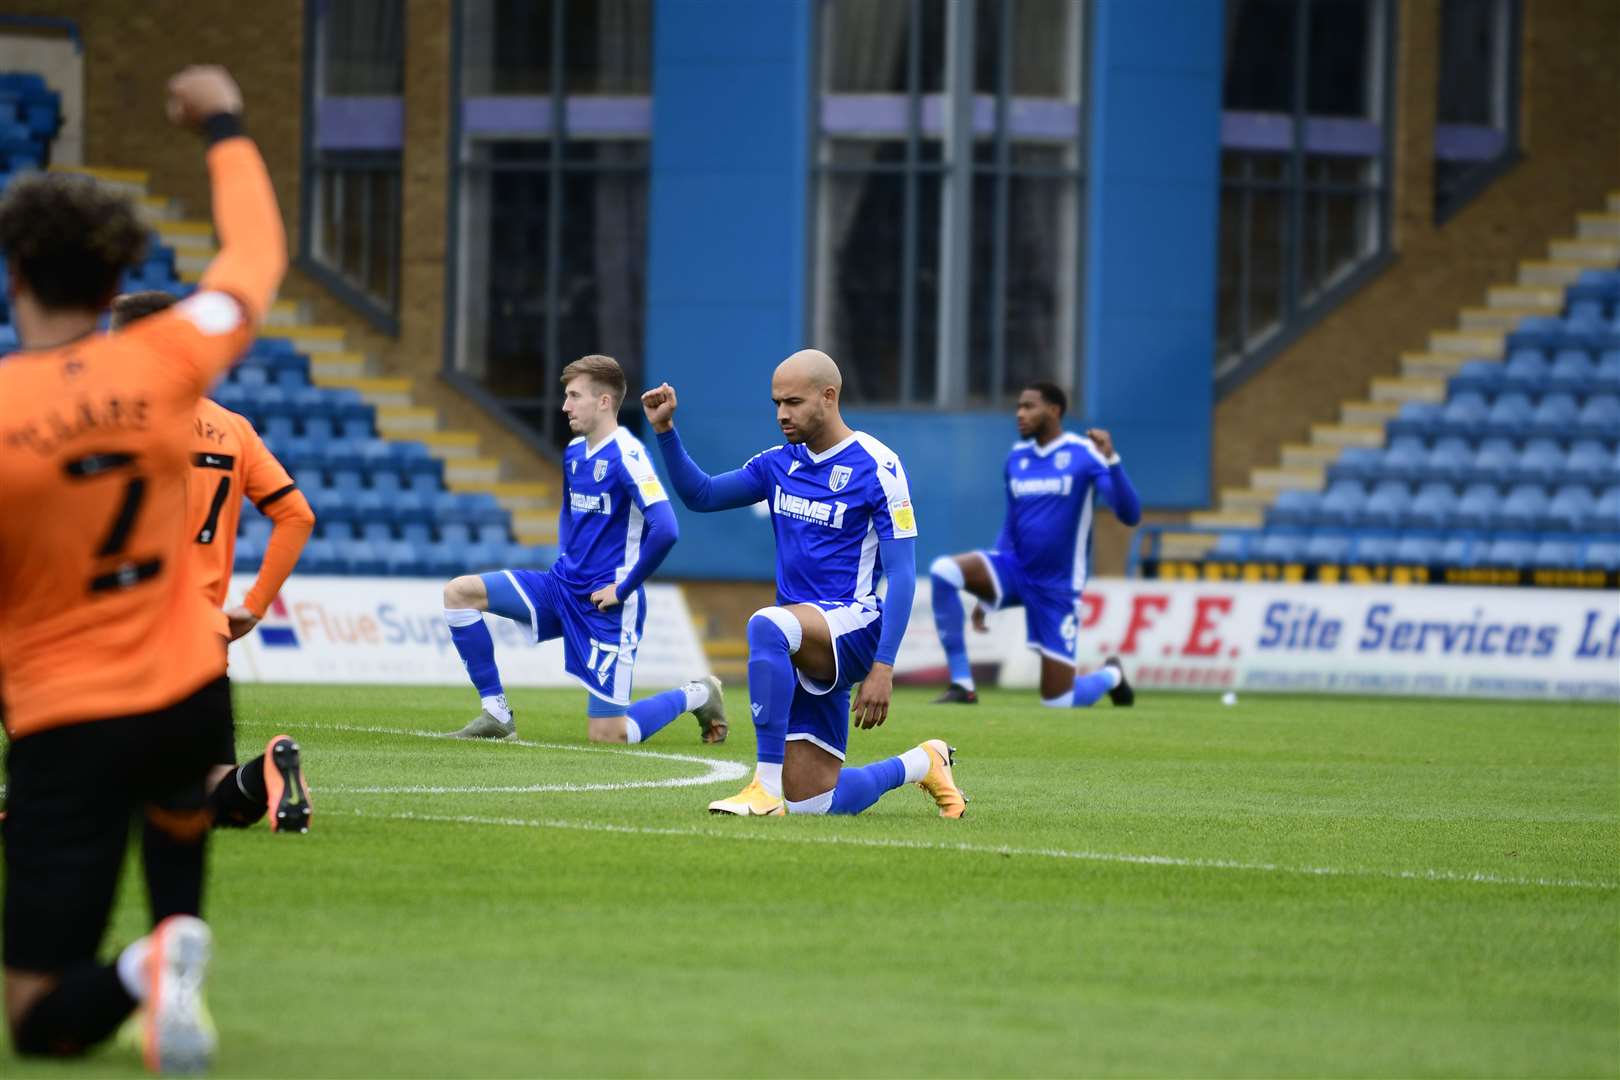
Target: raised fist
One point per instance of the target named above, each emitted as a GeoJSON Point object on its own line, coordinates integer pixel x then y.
{"type": "Point", "coordinates": [201, 91]}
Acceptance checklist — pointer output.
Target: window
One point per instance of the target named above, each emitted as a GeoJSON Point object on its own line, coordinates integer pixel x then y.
{"type": "Point", "coordinates": [1305, 137]}
{"type": "Point", "coordinates": [1477, 103]}
{"type": "Point", "coordinates": [552, 162]}
{"type": "Point", "coordinates": [948, 206]}
{"type": "Point", "coordinates": [355, 126]}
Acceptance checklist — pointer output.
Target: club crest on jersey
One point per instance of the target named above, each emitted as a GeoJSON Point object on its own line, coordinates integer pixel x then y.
{"type": "Point", "coordinates": [600, 471]}
{"type": "Point", "coordinates": [839, 479]}
{"type": "Point", "coordinates": [1061, 461]}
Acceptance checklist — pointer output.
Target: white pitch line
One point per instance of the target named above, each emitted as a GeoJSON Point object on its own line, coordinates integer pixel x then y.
{"type": "Point", "coordinates": [715, 770]}
{"type": "Point", "coordinates": [1461, 877]}
{"type": "Point", "coordinates": [728, 770]}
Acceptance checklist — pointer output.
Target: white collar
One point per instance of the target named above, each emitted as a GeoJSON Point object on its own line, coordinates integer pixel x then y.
{"type": "Point", "coordinates": [1063, 439]}
{"type": "Point", "coordinates": [831, 450]}
{"type": "Point", "coordinates": [590, 451]}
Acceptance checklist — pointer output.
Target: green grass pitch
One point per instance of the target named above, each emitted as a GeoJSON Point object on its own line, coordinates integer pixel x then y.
{"type": "Point", "coordinates": [1292, 886]}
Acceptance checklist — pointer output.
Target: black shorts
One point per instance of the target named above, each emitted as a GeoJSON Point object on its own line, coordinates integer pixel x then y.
{"type": "Point", "coordinates": [72, 793]}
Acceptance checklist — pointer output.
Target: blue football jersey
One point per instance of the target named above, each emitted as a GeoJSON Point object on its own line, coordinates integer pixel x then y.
{"type": "Point", "coordinates": [829, 511]}
{"type": "Point", "coordinates": [1050, 492]}
{"type": "Point", "coordinates": [605, 490]}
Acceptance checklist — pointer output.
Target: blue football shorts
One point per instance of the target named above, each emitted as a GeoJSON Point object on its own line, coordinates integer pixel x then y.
{"type": "Point", "coordinates": [1051, 611]}
{"type": "Point", "coordinates": [599, 647]}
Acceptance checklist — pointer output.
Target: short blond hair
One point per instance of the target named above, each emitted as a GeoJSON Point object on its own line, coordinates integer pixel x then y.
{"type": "Point", "coordinates": [604, 371]}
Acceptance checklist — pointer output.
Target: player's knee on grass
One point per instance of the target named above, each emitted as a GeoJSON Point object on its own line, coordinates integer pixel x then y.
{"type": "Point", "coordinates": [466, 591]}
{"type": "Point", "coordinates": [1057, 682]}
{"type": "Point", "coordinates": [607, 729]}
{"type": "Point", "coordinates": [808, 772]}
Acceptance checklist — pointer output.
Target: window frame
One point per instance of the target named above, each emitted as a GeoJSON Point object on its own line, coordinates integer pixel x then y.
{"type": "Point", "coordinates": [958, 170]}
{"type": "Point", "coordinates": [1299, 315]}
{"type": "Point", "coordinates": [556, 167]}
{"type": "Point", "coordinates": [1512, 88]}
{"type": "Point", "coordinates": [313, 162]}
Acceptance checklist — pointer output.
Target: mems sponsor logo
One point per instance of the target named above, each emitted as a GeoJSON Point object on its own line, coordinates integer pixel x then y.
{"type": "Point", "coordinates": [590, 504]}
{"type": "Point", "coordinates": [830, 515]}
{"type": "Point", "coordinates": [1042, 485]}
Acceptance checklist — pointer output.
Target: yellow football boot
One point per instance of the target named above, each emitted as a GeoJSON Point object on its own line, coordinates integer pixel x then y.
{"type": "Point", "coordinates": [940, 782]}
{"type": "Point", "coordinates": [751, 801]}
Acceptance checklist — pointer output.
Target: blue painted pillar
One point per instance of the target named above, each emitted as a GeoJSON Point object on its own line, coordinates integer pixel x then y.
{"type": "Point", "coordinates": [728, 239]}
{"type": "Point", "coordinates": [1152, 224]}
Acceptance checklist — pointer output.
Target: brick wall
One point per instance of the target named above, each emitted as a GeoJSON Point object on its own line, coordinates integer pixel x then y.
{"type": "Point", "coordinates": [1570, 136]}
{"type": "Point", "coordinates": [131, 48]}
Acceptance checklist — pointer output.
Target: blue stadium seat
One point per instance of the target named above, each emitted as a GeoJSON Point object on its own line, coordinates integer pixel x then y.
{"type": "Point", "coordinates": [345, 482]}
{"type": "Point", "coordinates": [491, 533]}
{"type": "Point", "coordinates": [1327, 548]}
{"type": "Point", "coordinates": [458, 533]}
{"type": "Point", "coordinates": [1277, 547]}
{"type": "Point", "coordinates": [361, 557]}
{"type": "Point", "coordinates": [1231, 546]}
{"type": "Point", "coordinates": [1525, 369]}
{"type": "Point", "coordinates": [1385, 505]}
{"type": "Point", "coordinates": [1449, 460]}
{"type": "Point", "coordinates": [1602, 555]}
{"type": "Point", "coordinates": [1416, 418]}
{"type": "Point", "coordinates": [1554, 414]}
{"type": "Point", "coordinates": [1589, 462]}
{"type": "Point", "coordinates": [1607, 374]}
{"type": "Point", "coordinates": [1372, 548]}
{"type": "Point", "coordinates": [1475, 508]}
{"type": "Point", "coordinates": [1572, 371]}
{"type": "Point", "coordinates": [443, 560]}
{"type": "Point", "coordinates": [419, 533]}
{"type": "Point", "coordinates": [482, 558]}
{"type": "Point", "coordinates": [1405, 459]}
{"type": "Point", "coordinates": [1600, 416]}
{"type": "Point", "coordinates": [1541, 462]}
{"type": "Point", "coordinates": [1432, 506]}
{"type": "Point", "coordinates": [1508, 415]}
{"type": "Point", "coordinates": [377, 532]}
{"type": "Point", "coordinates": [1356, 463]}
{"type": "Point", "coordinates": [403, 560]}
{"type": "Point", "coordinates": [335, 530]}
{"type": "Point", "coordinates": [1605, 516]}
{"type": "Point", "coordinates": [320, 557]}
{"type": "Point", "coordinates": [1477, 376]}
{"type": "Point", "coordinates": [249, 553]}
{"type": "Point", "coordinates": [1418, 550]}
{"type": "Point", "coordinates": [1509, 552]}
{"type": "Point", "coordinates": [1494, 462]}
{"type": "Point", "coordinates": [1556, 553]}
{"type": "Point", "coordinates": [1522, 510]}
{"type": "Point", "coordinates": [1340, 503]}
{"type": "Point", "coordinates": [1570, 508]}
{"type": "Point", "coordinates": [1459, 550]}
{"type": "Point", "coordinates": [1583, 310]}
{"type": "Point", "coordinates": [1293, 508]}
{"type": "Point", "coordinates": [427, 484]}
{"type": "Point", "coordinates": [407, 508]}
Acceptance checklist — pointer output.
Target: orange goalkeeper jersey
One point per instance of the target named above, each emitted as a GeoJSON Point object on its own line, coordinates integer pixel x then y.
{"type": "Point", "coordinates": [100, 613]}
{"type": "Point", "coordinates": [230, 461]}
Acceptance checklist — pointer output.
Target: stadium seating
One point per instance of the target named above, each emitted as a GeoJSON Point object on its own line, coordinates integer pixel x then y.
{"type": "Point", "coordinates": [1519, 466]}
{"type": "Point", "coordinates": [382, 505]}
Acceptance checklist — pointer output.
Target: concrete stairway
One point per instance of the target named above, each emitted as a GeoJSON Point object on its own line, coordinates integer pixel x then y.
{"type": "Point", "coordinates": [1479, 334]}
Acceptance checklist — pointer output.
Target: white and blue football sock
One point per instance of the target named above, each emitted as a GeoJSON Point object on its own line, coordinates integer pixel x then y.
{"type": "Point", "coordinates": [773, 637]}
{"type": "Point", "coordinates": [1088, 689]}
{"type": "Point", "coordinates": [647, 718]}
{"type": "Point", "coordinates": [946, 578]}
{"type": "Point", "coordinates": [470, 636]}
